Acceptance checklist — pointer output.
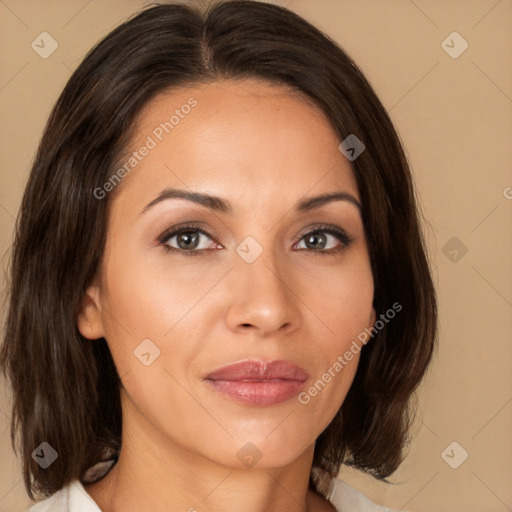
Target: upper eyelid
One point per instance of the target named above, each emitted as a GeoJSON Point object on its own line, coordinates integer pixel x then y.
{"type": "Point", "coordinates": [172, 232]}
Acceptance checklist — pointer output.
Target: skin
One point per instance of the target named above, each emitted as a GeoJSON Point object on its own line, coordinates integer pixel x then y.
{"type": "Point", "coordinates": [262, 148]}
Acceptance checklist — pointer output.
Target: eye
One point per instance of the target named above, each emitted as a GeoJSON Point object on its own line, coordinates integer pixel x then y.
{"type": "Point", "coordinates": [321, 240]}
{"type": "Point", "coordinates": [186, 240]}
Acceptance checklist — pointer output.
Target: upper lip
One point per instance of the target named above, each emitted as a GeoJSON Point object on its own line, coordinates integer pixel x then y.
{"type": "Point", "coordinates": [253, 370]}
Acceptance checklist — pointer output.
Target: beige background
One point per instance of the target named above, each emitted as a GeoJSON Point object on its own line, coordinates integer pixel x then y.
{"type": "Point", "coordinates": [454, 117]}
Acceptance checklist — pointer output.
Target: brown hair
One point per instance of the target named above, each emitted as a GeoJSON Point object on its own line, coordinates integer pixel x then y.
{"type": "Point", "coordinates": [65, 387]}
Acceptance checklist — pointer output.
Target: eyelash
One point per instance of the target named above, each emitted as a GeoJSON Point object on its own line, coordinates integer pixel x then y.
{"type": "Point", "coordinates": [339, 233]}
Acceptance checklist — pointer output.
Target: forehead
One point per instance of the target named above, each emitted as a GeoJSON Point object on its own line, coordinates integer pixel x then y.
{"type": "Point", "coordinates": [250, 141]}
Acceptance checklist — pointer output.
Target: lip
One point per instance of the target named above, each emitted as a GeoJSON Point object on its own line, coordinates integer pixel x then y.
{"type": "Point", "coordinates": [257, 382]}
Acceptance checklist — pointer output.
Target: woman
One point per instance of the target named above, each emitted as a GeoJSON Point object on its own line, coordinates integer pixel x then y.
{"type": "Point", "coordinates": [219, 288]}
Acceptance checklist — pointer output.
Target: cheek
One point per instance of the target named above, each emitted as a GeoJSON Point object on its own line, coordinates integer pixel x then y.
{"type": "Point", "coordinates": [146, 315]}
{"type": "Point", "coordinates": [342, 298]}
{"type": "Point", "coordinates": [342, 302]}
{"type": "Point", "coordinates": [146, 301]}
{"type": "Point", "coordinates": [148, 298]}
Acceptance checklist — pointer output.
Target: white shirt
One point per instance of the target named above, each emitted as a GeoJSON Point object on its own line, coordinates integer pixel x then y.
{"type": "Point", "coordinates": [74, 497]}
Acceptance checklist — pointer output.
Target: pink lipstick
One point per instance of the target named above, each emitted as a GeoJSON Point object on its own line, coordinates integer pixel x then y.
{"type": "Point", "coordinates": [259, 383]}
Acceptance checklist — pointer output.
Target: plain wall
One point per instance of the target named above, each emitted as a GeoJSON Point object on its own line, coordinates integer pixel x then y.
{"type": "Point", "coordinates": [454, 116]}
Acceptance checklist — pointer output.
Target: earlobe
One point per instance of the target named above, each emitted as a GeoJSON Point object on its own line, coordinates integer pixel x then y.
{"type": "Point", "coordinates": [90, 318]}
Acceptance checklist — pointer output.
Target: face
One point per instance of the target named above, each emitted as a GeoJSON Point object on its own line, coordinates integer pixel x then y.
{"type": "Point", "coordinates": [268, 276]}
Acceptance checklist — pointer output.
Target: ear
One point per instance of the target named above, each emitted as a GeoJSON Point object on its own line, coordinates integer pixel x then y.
{"type": "Point", "coordinates": [90, 318]}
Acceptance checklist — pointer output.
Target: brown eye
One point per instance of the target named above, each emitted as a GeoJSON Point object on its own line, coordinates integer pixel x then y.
{"type": "Point", "coordinates": [190, 240]}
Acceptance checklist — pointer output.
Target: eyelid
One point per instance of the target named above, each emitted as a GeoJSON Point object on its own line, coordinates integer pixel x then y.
{"type": "Point", "coordinates": [323, 227]}
{"type": "Point", "coordinates": [184, 227]}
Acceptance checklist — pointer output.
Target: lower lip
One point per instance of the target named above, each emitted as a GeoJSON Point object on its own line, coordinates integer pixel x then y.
{"type": "Point", "coordinates": [261, 393]}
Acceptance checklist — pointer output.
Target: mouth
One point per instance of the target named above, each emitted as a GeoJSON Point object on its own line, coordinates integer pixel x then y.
{"type": "Point", "coordinates": [258, 383]}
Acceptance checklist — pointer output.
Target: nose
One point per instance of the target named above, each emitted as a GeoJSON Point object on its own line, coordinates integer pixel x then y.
{"type": "Point", "coordinates": [262, 297]}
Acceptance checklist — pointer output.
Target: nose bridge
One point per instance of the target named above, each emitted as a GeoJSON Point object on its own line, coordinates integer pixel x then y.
{"type": "Point", "coordinates": [262, 268]}
{"type": "Point", "coordinates": [261, 295]}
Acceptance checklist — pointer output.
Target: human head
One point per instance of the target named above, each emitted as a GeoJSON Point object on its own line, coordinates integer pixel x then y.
{"type": "Point", "coordinates": [61, 231]}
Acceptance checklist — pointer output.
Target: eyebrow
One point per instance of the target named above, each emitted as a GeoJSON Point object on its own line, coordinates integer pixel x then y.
{"type": "Point", "coordinates": [222, 206]}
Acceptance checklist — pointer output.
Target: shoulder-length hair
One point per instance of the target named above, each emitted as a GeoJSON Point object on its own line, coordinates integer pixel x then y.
{"type": "Point", "coordinates": [65, 387]}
